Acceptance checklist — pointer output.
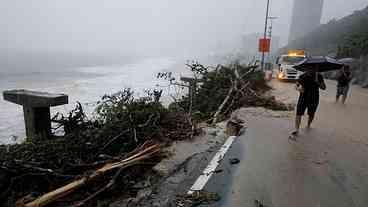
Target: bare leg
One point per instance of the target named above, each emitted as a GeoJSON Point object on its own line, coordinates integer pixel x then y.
{"type": "Point", "coordinates": [343, 99]}
{"type": "Point", "coordinates": [310, 120]}
{"type": "Point", "coordinates": [298, 120]}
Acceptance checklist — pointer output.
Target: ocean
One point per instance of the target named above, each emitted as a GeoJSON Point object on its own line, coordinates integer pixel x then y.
{"type": "Point", "coordinates": [84, 84]}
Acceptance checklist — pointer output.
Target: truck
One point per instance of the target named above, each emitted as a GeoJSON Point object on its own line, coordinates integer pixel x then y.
{"type": "Point", "coordinates": [286, 62]}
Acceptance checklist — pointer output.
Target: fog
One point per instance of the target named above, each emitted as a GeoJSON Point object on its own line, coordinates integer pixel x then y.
{"type": "Point", "coordinates": [143, 27]}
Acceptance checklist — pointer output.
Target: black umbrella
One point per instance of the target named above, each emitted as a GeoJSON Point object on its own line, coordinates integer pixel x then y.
{"type": "Point", "coordinates": [320, 64]}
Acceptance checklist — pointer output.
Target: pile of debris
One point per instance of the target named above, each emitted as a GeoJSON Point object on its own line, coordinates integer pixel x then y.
{"type": "Point", "coordinates": [99, 158]}
{"type": "Point", "coordinates": [197, 198]}
{"type": "Point", "coordinates": [224, 89]}
{"type": "Point", "coordinates": [81, 167]}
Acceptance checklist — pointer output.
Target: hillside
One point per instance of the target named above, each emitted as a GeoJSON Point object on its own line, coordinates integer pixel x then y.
{"type": "Point", "coordinates": [345, 37]}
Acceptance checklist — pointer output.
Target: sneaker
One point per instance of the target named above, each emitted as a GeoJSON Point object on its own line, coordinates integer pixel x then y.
{"type": "Point", "coordinates": [295, 133]}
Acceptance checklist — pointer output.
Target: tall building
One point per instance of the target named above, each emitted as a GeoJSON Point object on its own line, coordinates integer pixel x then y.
{"type": "Point", "coordinates": [306, 17]}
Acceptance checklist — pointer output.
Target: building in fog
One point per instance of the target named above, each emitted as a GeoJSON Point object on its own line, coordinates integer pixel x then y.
{"type": "Point", "coordinates": [306, 17]}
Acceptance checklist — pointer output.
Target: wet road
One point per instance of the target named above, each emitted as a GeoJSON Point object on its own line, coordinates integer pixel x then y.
{"type": "Point", "coordinates": [326, 167]}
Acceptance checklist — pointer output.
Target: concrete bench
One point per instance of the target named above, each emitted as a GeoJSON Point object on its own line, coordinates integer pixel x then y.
{"type": "Point", "coordinates": [36, 109]}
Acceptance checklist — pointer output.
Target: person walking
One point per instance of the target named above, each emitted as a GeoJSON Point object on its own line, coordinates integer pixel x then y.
{"type": "Point", "coordinates": [308, 85]}
{"type": "Point", "coordinates": [343, 83]}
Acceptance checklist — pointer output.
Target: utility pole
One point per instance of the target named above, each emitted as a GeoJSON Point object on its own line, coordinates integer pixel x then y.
{"type": "Point", "coordinates": [265, 34]}
{"type": "Point", "coordinates": [271, 18]}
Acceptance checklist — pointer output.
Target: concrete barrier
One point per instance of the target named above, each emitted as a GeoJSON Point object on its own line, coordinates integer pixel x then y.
{"type": "Point", "coordinates": [36, 109]}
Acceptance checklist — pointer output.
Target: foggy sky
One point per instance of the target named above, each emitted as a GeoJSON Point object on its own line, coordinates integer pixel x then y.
{"type": "Point", "coordinates": [147, 27]}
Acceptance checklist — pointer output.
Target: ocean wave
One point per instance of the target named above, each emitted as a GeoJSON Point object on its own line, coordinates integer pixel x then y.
{"type": "Point", "coordinates": [80, 86]}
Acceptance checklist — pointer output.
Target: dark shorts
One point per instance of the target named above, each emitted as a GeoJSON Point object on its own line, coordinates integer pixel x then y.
{"type": "Point", "coordinates": [307, 103]}
{"type": "Point", "coordinates": [342, 90]}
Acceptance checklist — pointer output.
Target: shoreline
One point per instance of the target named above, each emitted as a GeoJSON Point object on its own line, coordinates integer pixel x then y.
{"type": "Point", "coordinates": [124, 128]}
{"type": "Point", "coordinates": [93, 84]}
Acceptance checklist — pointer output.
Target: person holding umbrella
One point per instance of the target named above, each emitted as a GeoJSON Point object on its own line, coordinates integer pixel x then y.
{"type": "Point", "coordinates": [309, 85]}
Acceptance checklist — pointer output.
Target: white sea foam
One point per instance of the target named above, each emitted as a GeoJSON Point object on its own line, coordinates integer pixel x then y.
{"type": "Point", "coordinates": [85, 88]}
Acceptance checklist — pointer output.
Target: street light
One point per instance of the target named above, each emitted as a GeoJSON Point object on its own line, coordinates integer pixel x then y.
{"type": "Point", "coordinates": [271, 18]}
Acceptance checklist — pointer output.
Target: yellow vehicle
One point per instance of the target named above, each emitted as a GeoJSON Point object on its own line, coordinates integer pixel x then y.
{"type": "Point", "coordinates": [286, 62]}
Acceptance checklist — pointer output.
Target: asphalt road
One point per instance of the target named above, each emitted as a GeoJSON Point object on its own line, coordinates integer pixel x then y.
{"type": "Point", "coordinates": [326, 167]}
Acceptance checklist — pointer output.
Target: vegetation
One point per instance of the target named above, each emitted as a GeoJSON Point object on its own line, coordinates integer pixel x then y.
{"type": "Point", "coordinates": [344, 38]}
{"type": "Point", "coordinates": [354, 46]}
{"type": "Point", "coordinates": [123, 124]}
{"type": "Point", "coordinates": [242, 84]}
{"type": "Point", "coordinates": [347, 37]}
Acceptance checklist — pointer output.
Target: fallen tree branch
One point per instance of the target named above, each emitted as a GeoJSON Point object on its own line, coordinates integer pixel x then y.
{"type": "Point", "coordinates": [235, 84]}
{"type": "Point", "coordinates": [219, 110]}
{"type": "Point", "coordinates": [109, 185]}
{"type": "Point", "coordinates": [21, 165]}
{"type": "Point", "coordinates": [114, 138]}
{"type": "Point", "coordinates": [52, 196]}
{"type": "Point", "coordinates": [230, 106]}
{"type": "Point", "coordinates": [147, 122]}
{"type": "Point", "coordinates": [251, 70]}
{"type": "Point", "coordinates": [135, 135]}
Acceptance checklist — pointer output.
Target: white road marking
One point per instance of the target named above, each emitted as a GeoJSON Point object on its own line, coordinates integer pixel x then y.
{"type": "Point", "coordinates": [210, 169]}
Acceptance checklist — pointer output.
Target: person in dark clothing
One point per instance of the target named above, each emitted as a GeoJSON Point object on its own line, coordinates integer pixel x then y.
{"type": "Point", "coordinates": [308, 85]}
{"type": "Point", "coordinates": [343, 83]}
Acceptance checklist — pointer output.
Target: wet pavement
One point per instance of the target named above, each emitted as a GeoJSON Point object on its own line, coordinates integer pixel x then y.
{"type": "Point", "coordinates": [326, 167]}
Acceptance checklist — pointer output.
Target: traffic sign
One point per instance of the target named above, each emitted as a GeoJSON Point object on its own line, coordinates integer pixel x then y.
{"type": "Point", "coordinates": [264, 45]}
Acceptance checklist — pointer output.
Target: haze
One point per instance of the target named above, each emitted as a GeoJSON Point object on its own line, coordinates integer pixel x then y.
{"type": "Point", "coordinates": [143, 27]}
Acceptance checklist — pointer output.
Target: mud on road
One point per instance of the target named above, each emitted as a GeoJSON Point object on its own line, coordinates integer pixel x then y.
{"type": "Point", "coordinates": [326, 166]}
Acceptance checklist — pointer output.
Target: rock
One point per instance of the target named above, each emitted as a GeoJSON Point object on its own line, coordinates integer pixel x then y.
{"type": "Point", "coordinates": [197, 199]}
{"type": "Point", "coordinates": [164, 202]}
{"type": "Point", "coordinates": [234, 161]}
{"type": "Point", "coordinates": [156, 204]}
{"type": "Point", "coordinates": [142, 184]}
{"type": "Point", "coordinates": [142, 194]}
{"type": "Point", "coordinates": [212, 131]}
{"type": "Point", "coordinates": [257, 203]}
{"type": "Point", "coordinates": [218, 171]}
{"type": "Point", "coordinates": [130, 202]}
{"type": "Point", "coordinates": [123, 203]}
{"type": "Point", "coordinates": [233, 127]}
